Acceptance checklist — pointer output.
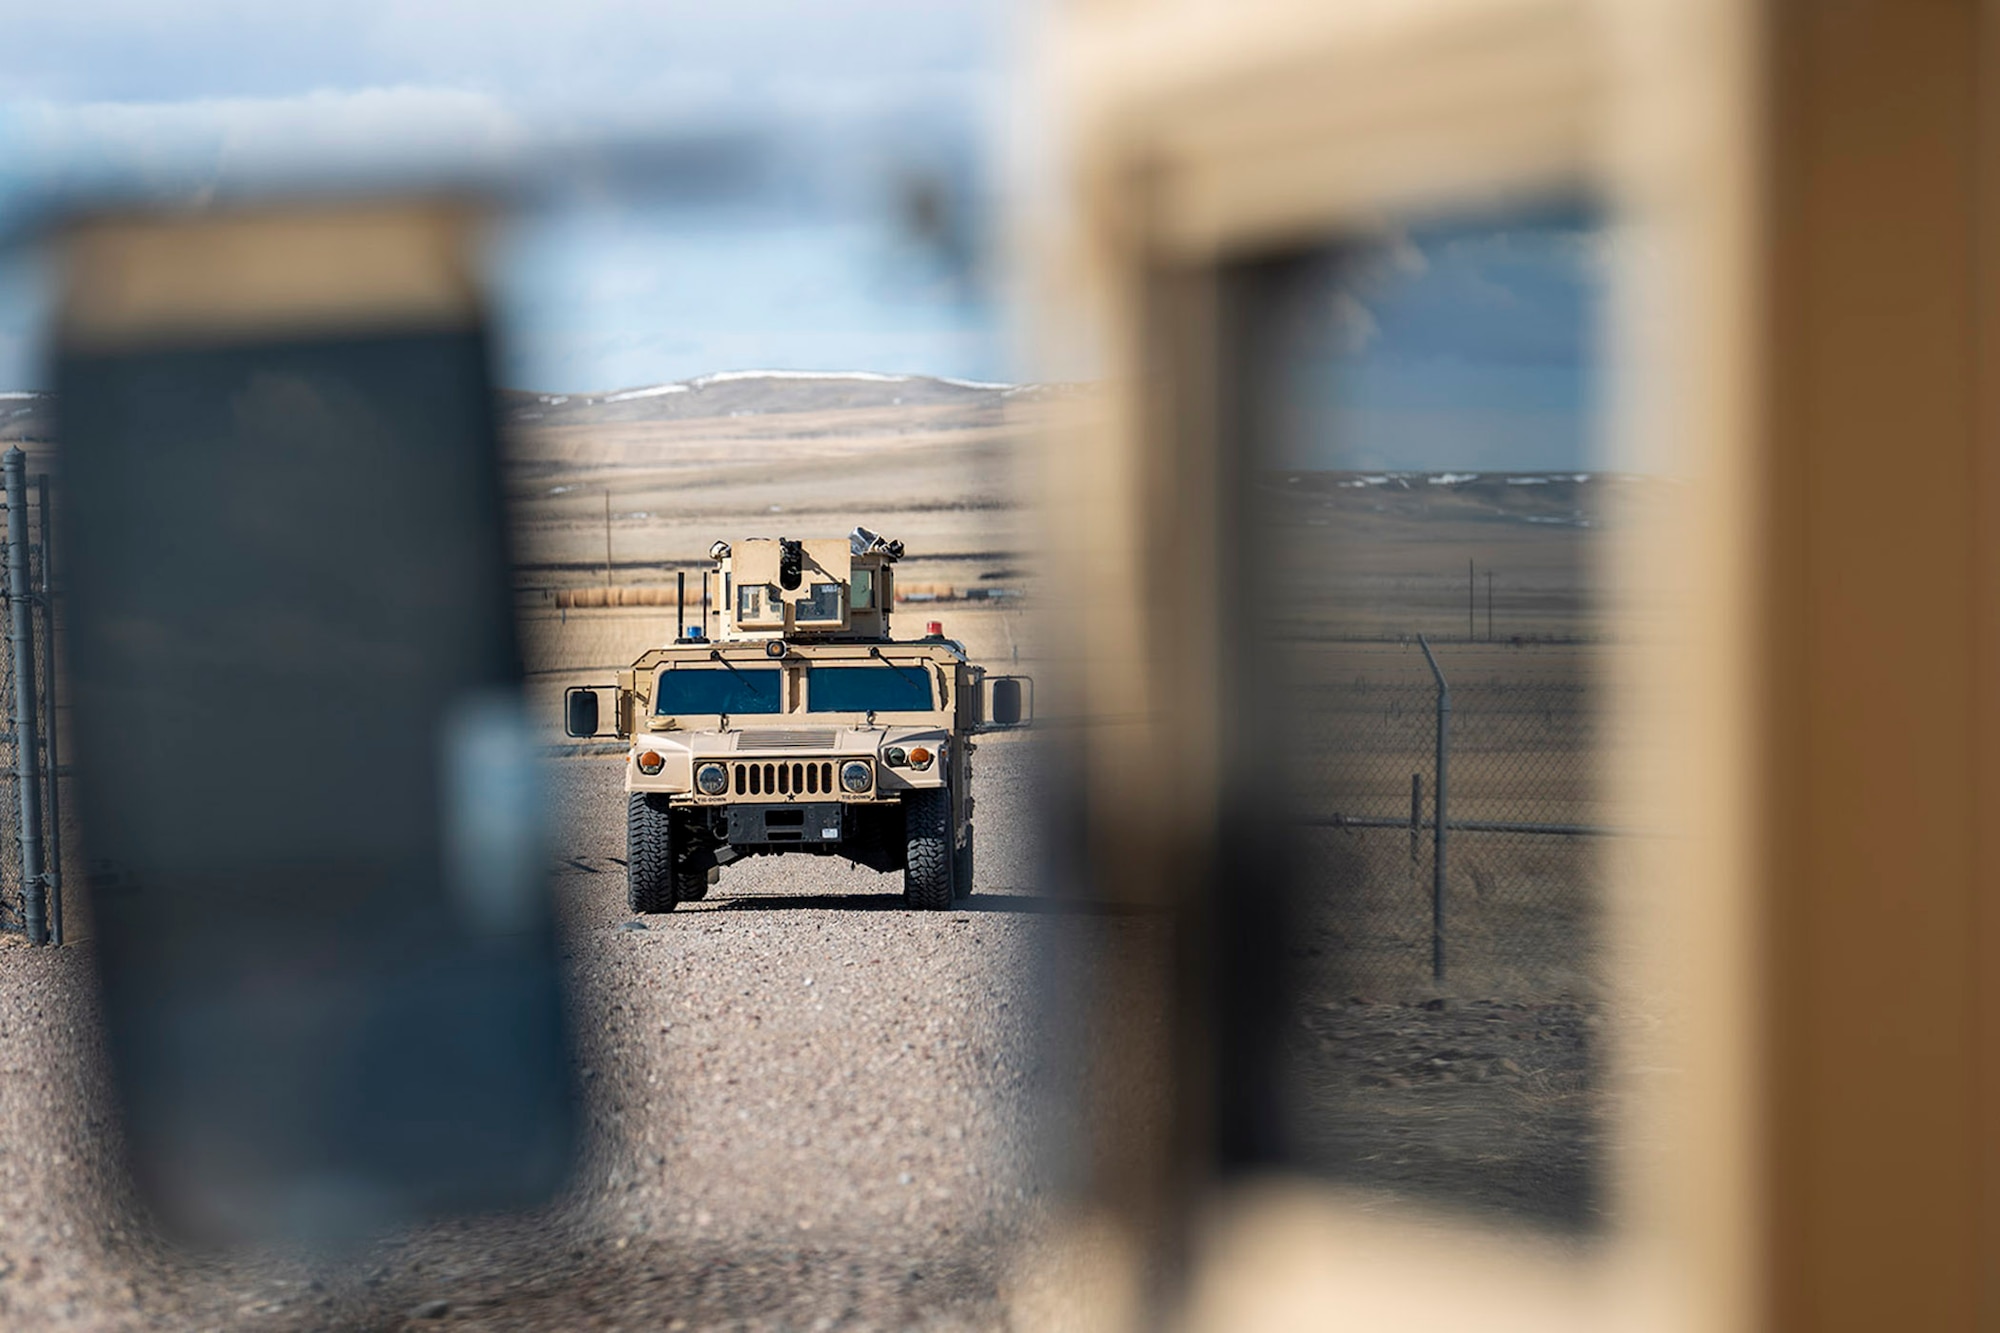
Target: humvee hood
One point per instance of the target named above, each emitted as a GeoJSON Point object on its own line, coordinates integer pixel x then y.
{"type": "Point", "coordinates": [795, 742]}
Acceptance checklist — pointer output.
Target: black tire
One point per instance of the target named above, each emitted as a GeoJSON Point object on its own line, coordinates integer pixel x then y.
{"type": "Point", "coordinates": [649, 854]}
{"type": "Point", "coordinates": [961, 867]}
{"type": "Point", "coordinates": [927, 850]}
{"type": "Point", "coordinates": [690, 882]}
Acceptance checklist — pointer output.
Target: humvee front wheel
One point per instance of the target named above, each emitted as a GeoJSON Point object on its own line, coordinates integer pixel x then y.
{"type": "Point", "coordinates": [927, 849]}
{"type": "Point", "coordinates": [652, 862]}
{"type": "Point", "coordinates": [694, 885]}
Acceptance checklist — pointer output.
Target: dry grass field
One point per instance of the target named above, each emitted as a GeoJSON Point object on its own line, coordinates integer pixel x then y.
{"type": "Point", "coordinates": [795, 458]}
{"type": "Point", "coordinates": [936, 465]}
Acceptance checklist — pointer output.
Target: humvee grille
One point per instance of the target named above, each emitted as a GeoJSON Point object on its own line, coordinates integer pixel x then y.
{"type": "Point", "coordinates": [783, 779]}
{"type": "Point", "coordinates": [776, 739]}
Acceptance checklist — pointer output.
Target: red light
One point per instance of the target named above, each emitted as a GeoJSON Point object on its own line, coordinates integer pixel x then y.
{"type": "Point", "coordinates": [934, 628]}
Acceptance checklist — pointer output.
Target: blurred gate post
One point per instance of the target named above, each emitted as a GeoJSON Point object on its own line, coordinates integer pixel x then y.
{"type": "Point", "coordinates": [21, 641]}
{"type": "Point", "coordinates": [53, 853]}
{"type": "Point", "coordinates": [1438, 813]}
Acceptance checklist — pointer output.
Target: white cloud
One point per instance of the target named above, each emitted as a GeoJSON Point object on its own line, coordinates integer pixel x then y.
{"type": "Point", "coordinates": [1353, 324]}
{"type": "Point", "coordinates": [369, 127]}
{"type": "Point", "coordinates": [1404, 255]}
{"type": "Point", "coordinates": [599, 50]}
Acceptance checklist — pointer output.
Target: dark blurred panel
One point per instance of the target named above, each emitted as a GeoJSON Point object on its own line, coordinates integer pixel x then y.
{"type": "Point", "coordinates": [329, 973]}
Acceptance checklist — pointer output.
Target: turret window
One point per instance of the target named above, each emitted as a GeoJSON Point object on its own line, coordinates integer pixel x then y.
{"type": "Point", "coordinates": [820, 605]}
{"type": "Point", "coordinates": [759, 604]}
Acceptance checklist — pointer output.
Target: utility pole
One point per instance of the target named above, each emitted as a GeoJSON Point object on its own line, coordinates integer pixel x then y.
{"type": "Point", "coordinates": [607, 547]}
{"type": "Point", "coordinates": [1489, 606]}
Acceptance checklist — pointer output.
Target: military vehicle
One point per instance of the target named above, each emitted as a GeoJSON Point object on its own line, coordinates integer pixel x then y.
{"type": "Point", "coordinates": [791, 721]}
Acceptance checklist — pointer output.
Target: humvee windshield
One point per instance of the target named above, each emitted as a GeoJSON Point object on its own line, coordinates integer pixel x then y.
{"type": "Point", "coordinates": [718, 690]}
{"type": "Point", "coordinates": [882, 689]}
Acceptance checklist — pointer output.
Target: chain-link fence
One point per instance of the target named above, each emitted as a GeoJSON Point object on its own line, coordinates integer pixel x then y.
{"type": "Point", "coordinates": [1498, 743]}
{"type": "Point", "coordinates": [31, 845]}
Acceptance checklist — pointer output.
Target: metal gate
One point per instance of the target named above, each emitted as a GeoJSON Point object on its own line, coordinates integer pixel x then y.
{"type": "Point", "coordinates": [31, 841]}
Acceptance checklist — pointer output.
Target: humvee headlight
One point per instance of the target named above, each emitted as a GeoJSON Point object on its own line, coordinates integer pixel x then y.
{"type": "Point", "coordinates": [895, 756]}
{"type": "Point", "coordinates": [711, 779]}
{"type": "Point", "coordinates": [920, 758]}
{"type": "Point", "coordinates": [651, 763]}
{"type": "Point", "coordinates": [774, 648]}
{"type": "Point", "coordinates": [857, 775]}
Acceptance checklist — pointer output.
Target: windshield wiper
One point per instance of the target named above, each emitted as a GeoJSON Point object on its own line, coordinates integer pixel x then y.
{"type": "Point", "coordinates": [901, 671]}
{"type": "Point", "coordinates": [715, 655]}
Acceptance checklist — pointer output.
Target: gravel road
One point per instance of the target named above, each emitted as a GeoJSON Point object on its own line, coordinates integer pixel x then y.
{"type": "Point", "coordinates": [809, 1109]}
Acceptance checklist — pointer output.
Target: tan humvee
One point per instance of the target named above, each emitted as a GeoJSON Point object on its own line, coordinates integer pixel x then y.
{"type": "Point", "coordinates": [793, 722]}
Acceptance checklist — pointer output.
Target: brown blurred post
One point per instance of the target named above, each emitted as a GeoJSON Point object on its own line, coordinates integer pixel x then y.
{"type": "Point", "coordinates": [1878, 1137]}
{"type": "Point", "coordinates": [607, 542]}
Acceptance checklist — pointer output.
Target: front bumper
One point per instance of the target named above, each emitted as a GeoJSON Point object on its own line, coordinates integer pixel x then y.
{"type": "Point", "coordinates": [801, 823]}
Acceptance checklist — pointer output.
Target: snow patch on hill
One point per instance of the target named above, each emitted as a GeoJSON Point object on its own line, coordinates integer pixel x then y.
{"type": "Point", "coordinates": [652, 391]}
{"type": "Point", "coordinates": [740, 376]}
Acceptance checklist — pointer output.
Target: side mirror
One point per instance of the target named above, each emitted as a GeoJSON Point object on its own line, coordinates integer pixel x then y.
{"type": "Point", "coordinates": [1005, 704]}
{"type": "Point", "coordinates": [580, 711]}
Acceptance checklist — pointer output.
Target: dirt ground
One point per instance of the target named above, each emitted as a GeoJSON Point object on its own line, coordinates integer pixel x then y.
{"type": "Point", "coordinates": [808, 1108]}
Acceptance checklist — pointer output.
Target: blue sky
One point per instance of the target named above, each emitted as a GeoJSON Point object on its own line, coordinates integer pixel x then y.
{"type": "Point", "coordinates": [704, 186]}
{"type": "Point", "coordinates": [1471, 344]}
{"type": "Point", "coordinates": [715, 186]}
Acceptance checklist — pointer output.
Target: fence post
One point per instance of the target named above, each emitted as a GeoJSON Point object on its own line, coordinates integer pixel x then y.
{"type": "Point", "coordinates": [21, 640]}
{"type": "Point", "coordinates": [1439, 809]}
{"type": "Point", "coordinates": [49, 685]}
{"type": "Point", "coordinates": [1416, 811]}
